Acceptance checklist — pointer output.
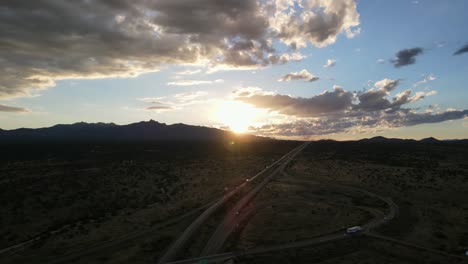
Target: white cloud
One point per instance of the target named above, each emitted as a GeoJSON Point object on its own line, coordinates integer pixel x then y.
{"type": "Point", "coordinates": [193, 82]}
{"type": "Point", "coordinates": [317, 22]}
{"type": "Point", "coordinates": [175, 102]}
{"type": "Point", "coordinates": [426, 78]}
{"type": "Point", "coordinates": [189, 96]}
{"type": "Point", "coordinates": [301, 75]}
{"type": "Point", "coordinates": [295, 56]}
{"type": "Point", "coordinates": [329, 63]}
{"type": "Point", "coordinates": [189, 72]}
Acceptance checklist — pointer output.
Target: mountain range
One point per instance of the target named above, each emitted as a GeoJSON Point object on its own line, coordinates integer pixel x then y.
{"type": "Point", "coordinates": [152, 131]}
{"type": "Point", "coordinates": [142, 131]}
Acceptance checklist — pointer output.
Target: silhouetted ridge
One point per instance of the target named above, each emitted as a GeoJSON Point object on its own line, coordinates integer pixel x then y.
{"type": "Point", "coordinates": [387, 140]}
{"type": "Point", "coordinates": [142, 131]}
{"type": "Point", "coordinates": [430, 140]}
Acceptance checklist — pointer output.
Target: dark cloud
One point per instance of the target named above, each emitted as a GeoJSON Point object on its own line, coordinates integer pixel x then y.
{"type": "Point", "coordinates": [44, 40]}
{"type": "Point", "coordinates": [377, 98]}
{"type": "Point", "coordinates": [301, 75]}
{"type": "Point", "coordinates": [12, 109]}
{"type": "Point", "coordinates": [371, 122]}
{"type": "Point", "coordinates": [412, 119]}
{"type": "Point", "coordinates": [461, 50]}
{"type": "Point", "coordinates": [158, 107]}
{"type": "Point", "coordinates": [338, 100]}
{"type": "Point", "coordinates": [326, 102]}
{"type": "Point", "coordinates": [406, 57]}
{"type": "Point", "coordinates": [342, 111]}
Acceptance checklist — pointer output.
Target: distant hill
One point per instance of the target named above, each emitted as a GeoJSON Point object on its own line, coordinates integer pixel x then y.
{"type": "Point", "coordinates": [141, 131]}
{"type": "Point", "coordinates": [429, 140]}
{"type": "Point", "coordinates": [386, 140]}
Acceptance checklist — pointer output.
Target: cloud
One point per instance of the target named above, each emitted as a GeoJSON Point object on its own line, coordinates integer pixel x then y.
{"type": "Point", "coordinates": [193, 82]}
{"type": "Point", "coordinates": [295, 56]}
{"type": "Point", "coordinates": [158, 108]}
{"type": "Point", "coordinates": [421, 95]}
{"type": "Point", "coordinates": [440, 44]}
{"type": "Point", "coordinates": [426, 79]}
{"type": "Point", "coordinates": [387, 85]}
{"type": "Point", "coordinates": [151, 99]}
{"type": "Point", "coordinates": [46, 41]}
{"type": "Point", "coordinates": [413, 119]}
{"type": "Point", "coordinates": [302, 75]}
{"type": "Point", "coordinates": [341, 111]}
{"type": "Point", "coordinates": [461, 50]}
{"type": "Point", "coordinates": [380, 61]}
{"type": "Point", "coordinates": [190, 96]}
{"type": "Point", "coordinates": [188, 72]}
{"type": "Point", "coordinates": [317, 22]}
{"type": "Point", "coordinates": [376, 99]}
{"type": "Point", "coordinates": [324, 103]}
{"type": "Point", "coordinates": [330, 63]}
{"type": "Point", "coordinates": [12, 109]}
{"type": "Point", "coordinates": [175, 102]}
{"type": "Point", "coordinates": [361, 124]}
{"type": "Point", "coordinates": [406, 57]}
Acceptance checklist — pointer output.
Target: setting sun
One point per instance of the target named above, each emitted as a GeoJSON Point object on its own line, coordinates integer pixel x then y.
{"type": "Point", "coordinates": [237, 116]}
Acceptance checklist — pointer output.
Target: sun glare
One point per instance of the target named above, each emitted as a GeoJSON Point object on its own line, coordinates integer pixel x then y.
{"type": "Point", "coordinates": [237, 116]}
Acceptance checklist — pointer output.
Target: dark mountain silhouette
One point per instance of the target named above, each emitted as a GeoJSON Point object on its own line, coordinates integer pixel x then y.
{"type": "Point", "coordinates": [141, 131]}
{"type": "Point", "coordinates": [400, 140]}
{"type": "Point", "coordinates": [386, 140]}
{"type": "Point", "coordinates": [430, 140]}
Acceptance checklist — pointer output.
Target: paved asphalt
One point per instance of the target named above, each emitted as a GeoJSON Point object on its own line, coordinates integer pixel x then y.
{"type": "Point", "coordinates": [233, 218]}
{"type": "Point", "coordinates": [177, 246]}
{"type": "Point", "coordinates": [227, 226]}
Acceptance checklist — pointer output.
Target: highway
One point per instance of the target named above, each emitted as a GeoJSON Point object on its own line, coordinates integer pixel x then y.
{"type": "Point", "coordinates": [235, 216]}
{"type": "Point", "coordinates": [177, 245]}
{"type": "Point", "coordinates": [266, 249]}
{"type": "Point", "coordinates": [121, 241]}
{"type": "Point", "coordinates": [232, 218]}
{"type": "Point", "coordinates": [379, 219]}
{"type": "Point", "coordinates": [339, 235]}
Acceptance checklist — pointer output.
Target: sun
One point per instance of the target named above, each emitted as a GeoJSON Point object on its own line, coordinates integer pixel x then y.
{"type": "Point", "coordinates": [236, 115]}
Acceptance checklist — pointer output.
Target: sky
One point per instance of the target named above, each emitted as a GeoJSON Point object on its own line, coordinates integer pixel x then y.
{"type": "Point", "coordinates": [299, 69]}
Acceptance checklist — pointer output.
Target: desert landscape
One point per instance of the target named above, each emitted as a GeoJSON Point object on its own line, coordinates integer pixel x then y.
{"type": "Point", "coordinates": [233, 131]}
{"type": "Point", "coordinates": [121, 203]}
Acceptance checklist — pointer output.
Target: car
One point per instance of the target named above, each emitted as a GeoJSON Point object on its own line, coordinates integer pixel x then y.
{"type": "Point", "coordinates": [353, 230]}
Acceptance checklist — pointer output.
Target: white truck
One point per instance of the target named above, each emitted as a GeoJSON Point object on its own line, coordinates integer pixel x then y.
{"type": "Point", "coordinates": [353, 230]}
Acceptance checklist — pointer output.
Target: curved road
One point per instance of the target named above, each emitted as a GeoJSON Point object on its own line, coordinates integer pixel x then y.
{"type": "Point", "coordinates": [177, 246]}
{"type": "Point", "coordinates": [227, 226]}
{"type": "Point", "coordinates": [233, 218]}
